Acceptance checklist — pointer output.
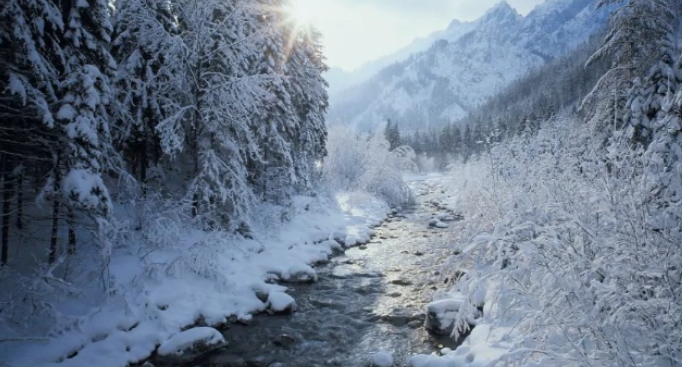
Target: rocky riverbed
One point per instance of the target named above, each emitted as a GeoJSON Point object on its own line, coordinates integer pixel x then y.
{"type": "Point", "coordinates": [370, 299]}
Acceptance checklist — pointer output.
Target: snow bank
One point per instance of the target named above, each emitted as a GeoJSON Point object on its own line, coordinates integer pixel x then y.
{"type": "Point", "coordinates": [484, 346]}
{"type": "Point", "coordinates": [160, 286]}
{"type": "Point", "coordinates": [185, 341]}
{"type": "Point", "coordinates": [281, 302]}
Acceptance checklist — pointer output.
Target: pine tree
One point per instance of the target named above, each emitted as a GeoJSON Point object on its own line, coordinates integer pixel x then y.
{"type": "Point", "coordinates": [392, 134]}
{"type": "Point", "coordinates": [638, 31]}
{"type": "Point", "coordinates": [639, 34]}
{"type": "Point", "coordinates": [467, 143]}
{"type": "Point", "coordinates": [149, 94]}
{"type": "Point", "coordinates": [222, 95]}
{"type": "Point", "coordinates": [275, 122]}
{"type": "Point", "coordinates": [31, 60]}
{"type": "Point", "coordinates": [305, 66]}
{"type": "Point", "coordinates": [456, 142]}
{"type": "Point", "coordinates": [84, 95]}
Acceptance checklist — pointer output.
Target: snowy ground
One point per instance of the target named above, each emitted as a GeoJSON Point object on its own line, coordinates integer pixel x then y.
{"type": "Point", "coordinates": [204, 280]}
{"type": "Point", "coordinates": [209, 280]}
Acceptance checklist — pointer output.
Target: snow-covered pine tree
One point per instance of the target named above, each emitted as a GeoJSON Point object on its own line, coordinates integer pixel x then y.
{"type": "Point", "coordinates": [275, 123]}
{"type": "Point", "coordinates": [148, 83]}
{"type": "Point", "coordinates": [82, 116]}
{"type": "Point", "coordinates": [392, 134]}
{"type": "Point", "coordinates": [656, 114]}
{"type": "Point", "coordinates": [219, 38]}
{"type": "Point", "coordinates": [639, 34]}
{"type": "Point", "coordinates": [305, 66]}
{"type": "Point", "coordinates": [31, 59]}
{"type": "Point", "coordinates": [636, 31]}
{"type": "Point", "coordinates": [662, 191]}
{"type": "Point", "coordinates": [648, 96]}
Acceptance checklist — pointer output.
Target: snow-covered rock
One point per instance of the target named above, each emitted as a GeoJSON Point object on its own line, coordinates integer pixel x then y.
{"type": "Point", "coordinates": [441, 315]}
{"type": "Point", "coordinates": [435, 223]}
{"type": "Point", "coordinates": [333, 244]}
{"type": "Point", "coordinates": [300, 273]}
{"type": "Point", "coordinates": [350, 241]}
{"type": "Point", "coordinates": [382, 359]}
{"type": "Point", "coordinates": [188, 345]}
{"type": "Point", "coordinates": [446, 218]}
{"type": "Point", "coordinates": [280, 302]}
{"type": "Point", "coordinates": [339, 236]}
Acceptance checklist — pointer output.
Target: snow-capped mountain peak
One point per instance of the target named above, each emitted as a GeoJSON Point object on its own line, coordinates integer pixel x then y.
{"type": "Point", "coordinates": [499, 19]}
{"type": "Point", "coordinates": [501, 10]}
{"type": "Point", "coordinates": [340, 80]}
{"type": "Point", "coordinates": [444, 82]}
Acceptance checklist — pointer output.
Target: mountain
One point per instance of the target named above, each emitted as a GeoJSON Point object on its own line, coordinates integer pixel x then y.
{"type": "Point", "coordinates": [444, 82]}
{"type": "Point", "coordinates": [340, 79]}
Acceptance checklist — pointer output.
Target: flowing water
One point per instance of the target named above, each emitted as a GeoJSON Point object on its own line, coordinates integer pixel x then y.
{"type": "Point", "coordinates": [370, 299]}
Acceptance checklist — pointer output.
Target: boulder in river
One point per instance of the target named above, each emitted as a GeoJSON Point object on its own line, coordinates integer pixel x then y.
{"type": "Point", "coordinates": [416, 324]}
{"type": "Point", "coordinates": [382, 359]}
{"type": "Point", "coordinates": [299, 274]}
{"type": "Point", "coordinates": [396, 319]}
{"type": "Point", "coordinates": [284, 340]}
{"type": "Point", "coordinates": [187, 346]}
{"type": "Point", "coordinates": [435, 223]}
{"type": "Point", "coordinates": [447, 217]}
{"type": "Point", "coordinates": [281, 303]}
{"type": "Point", "coordinates": [441, 315]}
{"type": "Point", "coordinates": [400, 281]}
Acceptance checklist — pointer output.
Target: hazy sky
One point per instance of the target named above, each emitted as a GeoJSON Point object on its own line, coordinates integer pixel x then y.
{"type": "Point", "coordinates": [357, 31]}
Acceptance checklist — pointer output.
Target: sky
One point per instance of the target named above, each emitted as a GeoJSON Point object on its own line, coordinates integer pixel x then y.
{"type": "Point", "coordinates": [358, 31]}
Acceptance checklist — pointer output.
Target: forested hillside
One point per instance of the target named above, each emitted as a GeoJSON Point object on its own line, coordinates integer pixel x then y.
{"type": "Point", "coordinates": [144, 145]}
{"type": "Point", "coordinates": [572, 204]}
{"type": "Point", "coordinates": [218, 105]}
{"type": "Point", "coordinates": [519, 109]}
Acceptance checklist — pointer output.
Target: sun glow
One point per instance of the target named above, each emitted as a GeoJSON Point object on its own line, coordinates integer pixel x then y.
{"type": "Point", "coordinates": [301, 15]}
{"type": "Point", "coordinates": [302, 12]}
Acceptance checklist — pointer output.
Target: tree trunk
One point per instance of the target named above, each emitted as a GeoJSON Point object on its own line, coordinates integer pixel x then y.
{"type": "Point", "coordinates": [55, 213]}
{"type": "Point", "coordinates": [195, 205]}
{"type": "Point", "coordinates": [6, 197]}
{"type": "Point", "coordinates": [195, 197]}
{"type": "Point", "coordinates": [143, 168]}
{"type": "Point", "coordinates": [20, 200]}
{"type": "Point", "coordinates": [71, 248]}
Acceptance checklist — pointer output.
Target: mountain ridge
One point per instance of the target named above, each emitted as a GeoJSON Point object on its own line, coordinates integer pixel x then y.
{"type": "Point", "coordinates": [442, 83]}
{"type": "Point", "coordinates": [340, 79]}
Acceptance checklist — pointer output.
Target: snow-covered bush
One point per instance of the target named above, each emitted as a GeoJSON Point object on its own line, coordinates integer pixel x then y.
{"type": "Point", "coordinates": [570, 245]}
{"type": "Point", "coordinates": [363, 162]}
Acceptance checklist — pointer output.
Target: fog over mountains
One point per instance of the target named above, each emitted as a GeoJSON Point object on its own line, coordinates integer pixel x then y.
{"type": "Point", "coordinates": [461, 67]}
{"type": "Point", "coordinates": [340, 80]}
